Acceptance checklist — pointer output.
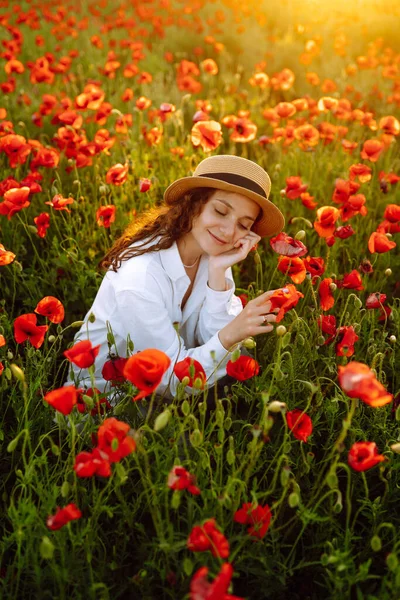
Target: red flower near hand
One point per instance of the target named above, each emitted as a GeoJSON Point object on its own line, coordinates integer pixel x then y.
{"type": "Point", "coordinates": [63, 516]}
{"type": "Point", "coordinates": [364, 455]}
{"type": "Point", "coordinates": [258, 518]}
{"type": "Point", "coordinates": [358, 381]}
{"type": "Point", "coordinates": [62, 399]}
{"type": "Point", "coordinates": [146, 369]}
{"type": "Point", "coordinates": [208, 537]}
{"type": "Point", "coordinates": [114, 440]}
{"type": "Point", "coordinates": [180, 479]}
{"type": "Point", "coordinates": [88, 464]}
{"type": "Point", "coordinates": [285, 245]}
{"type": "Point", "coordinates": [202, 589]}
{"type": "Point", "coordinates": [51, 308]}
{"type": "Point", "coordinates": [82, 354]}
{"type": "Point", "coordinates": [300, 424]}
{"type": "Point", "coordinates": [243, 368]}
{"type": "Point", "coordinates": [285, 299]}
{"type": "Point", "coordinates": [189, 367]}
{"type": "Point", "coordinates": [25, 328]}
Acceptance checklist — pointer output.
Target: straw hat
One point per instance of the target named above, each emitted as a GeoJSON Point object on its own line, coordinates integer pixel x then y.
{"type": "Point", "coordinates": [233, 174]}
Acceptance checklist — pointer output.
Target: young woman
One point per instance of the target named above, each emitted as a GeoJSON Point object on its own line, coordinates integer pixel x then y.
{"type": "Point", "coordinates": [169, 281]}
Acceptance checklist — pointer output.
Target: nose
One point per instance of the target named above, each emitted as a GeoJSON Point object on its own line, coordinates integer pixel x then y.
{"type": "Point", "coordinates": [228, 231]}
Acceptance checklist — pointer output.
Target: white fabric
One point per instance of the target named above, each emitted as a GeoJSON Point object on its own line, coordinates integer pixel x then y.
{"type": "Point", "coordinates": [143, 299]}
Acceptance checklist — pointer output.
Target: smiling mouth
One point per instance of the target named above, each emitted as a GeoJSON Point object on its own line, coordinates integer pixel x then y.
{"type": "Point", "coordinates": [216, 239]}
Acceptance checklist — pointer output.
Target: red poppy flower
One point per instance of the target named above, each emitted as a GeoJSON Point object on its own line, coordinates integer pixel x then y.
{"type": "Point", "coordinates": [144, 185]}
{"type": "Point", "coordinates": [343, 232]}
{"type": "Point", "coordinates": [351, 281]}
{"type": "Point", "coordinates": [208, 537]}
{"type": "Point", "coordinates": [343, 190]}
{"type": "Point", "coordinates": [315, 265]}
{"type": "Point", "coordinates": [375, 300]}
{"type": "Point", "coordinates": [206, 134]}
{"type": "Point", "coordinates": [113, 438]}
{"type": "Point", "coordinates": [105, 215]}
{"type": "Point", "coordinates": [6, 257]}
{"type": "Point", "coordinates": [361, 171]}
{"type": "Point", "coordinates": [2, 340]}
{"type": "Point", "coordinates": [326, 219]}
{"type": "Point", "coordinates": [379, 242]}
{"type": "Point", "coordinates": [308, 201]}
{"type": "Point", "coordinates": [63, 516]}
{"type": "Point", "coordinates": [364, 455]}
{"type": "Point", "coordinates": [347, 337]}
{"type": "Point", "coordinates": [353, 206]}
{"type": "Point", "coordinates": [180, 479]}
{"type": "Point", "coordinates": [146, 369]}
{"type": "Point", "coordinates": [62, 399]}
{"type": "Point", "coordinates": [82, 354]}
{"type": "Point", "coordinates": [1, 368]}
{"type": "Point", "coordinates": [243, 299]}
{"type": "Point", "coordinates": [299, 424]}
{"type": "Point", "coordinates": [189, 367]}
{"type": "Point", "coordinates": [88, 464]}
{"type": "Point", "coordinates": [327, 323]}
{"type": "Point", "coordinates": [113, 370]}
{"type": "Point", "coordinates": [285, 299]}
{"type": "Point", "coordinates": [14, 200]}
{"type": "Point", "coordinates": [285, 245]}
{"type": "Point", "coordinates": [202, 589]}
{"type": "Point", "coordinates": [60, 203]}
{"type": "Point", "coordinates": [258, 518]}
{"type": "Point", "coordinates": [372, 149]}
{"type": "Point", "coordinates": [243, 368]}
{"type": "Point", "coordinates": [294, 267]}
{"type": "Point", "coordinates": [358, 381]}
{"type": "Point", "coordinates": [326, 297]}
{"type": "Point", "coordinates": [294, 187]}
{"type": "Point", "coordinates": [42, 223]}
{"type": "Point", "coordinates": [51, 308]}
{"type": "Point", "coordinates": [117, 174]}
{"type": "Point", "coordinates": [25, 328]}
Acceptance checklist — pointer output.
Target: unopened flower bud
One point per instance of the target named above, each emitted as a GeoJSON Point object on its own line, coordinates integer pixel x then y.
{"type": "Point", "coordinates": [357, 302]}
{"type": "Point", "coordinates": [300, 235]}
{"type": "Point", "coordinates": [333, 287]}
{"type": "Point", "coordinates": [280, 330]}
{"type": "Point", "coordinates": [51, 338]}
{"type": "Point", "coordinates": [92, 317]}
{"type": "Point", "coordinates": [392, 339]}
{"type": "Point", "coordinates": [396, 447]}
{"type": "Point", "coordinates": [198, 383]}
{"type": "Point", "coordinates": [77, 324]}
{"type": "Point", "coordinates": [17, 372]}
{"type": "Point", "coordinates": [249, 343]}
{"type": "Point", "coordinates": [186, 380]}
{"type": "Point", "coordinates": [235, 354]}
{"type": "Point", "coordinates": [283, 193]}
{"type": "Point", "coordinates": [257, 258]}
{"type": "Point", "coordinates": [388, 272]}
{"type": "Point", "coordinates": [276, 406]}
{"type": "Point", "coordinates": [162, 420]}
{"type": "Point", "coordinates": [10, 355]}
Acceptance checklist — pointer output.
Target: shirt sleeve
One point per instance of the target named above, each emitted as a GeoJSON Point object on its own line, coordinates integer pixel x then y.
{"type": "Point", "coordinates": [218, 309]}
{"type": "Point", "coordinates": [144, 316]}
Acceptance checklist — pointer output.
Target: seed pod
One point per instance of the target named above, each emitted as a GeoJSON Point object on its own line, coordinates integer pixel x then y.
{"type": "Point", "coordinates": [275, 406]}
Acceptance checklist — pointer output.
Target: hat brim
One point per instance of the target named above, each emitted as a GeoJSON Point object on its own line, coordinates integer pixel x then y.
{"type": "Point", "coordinates": [271, 222]}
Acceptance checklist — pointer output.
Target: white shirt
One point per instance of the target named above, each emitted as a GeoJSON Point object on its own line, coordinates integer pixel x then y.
{"type": "Point", "coordinates": [143, 299]}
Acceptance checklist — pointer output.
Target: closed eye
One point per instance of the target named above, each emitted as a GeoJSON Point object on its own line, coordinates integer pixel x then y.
{"type": "Point", "coordinates": [224, 215]}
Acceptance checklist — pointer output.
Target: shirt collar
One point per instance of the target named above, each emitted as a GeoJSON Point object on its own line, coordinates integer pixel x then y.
{"type": "Point", "coordinates": [172, 262]}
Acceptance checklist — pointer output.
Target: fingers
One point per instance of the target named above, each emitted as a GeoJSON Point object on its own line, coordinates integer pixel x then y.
{"type": "Point", "coordinates": [270, 318]}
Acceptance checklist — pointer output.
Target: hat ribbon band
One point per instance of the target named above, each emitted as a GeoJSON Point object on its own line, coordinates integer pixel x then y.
{"type": "Point", "coordinates": [239, 180]}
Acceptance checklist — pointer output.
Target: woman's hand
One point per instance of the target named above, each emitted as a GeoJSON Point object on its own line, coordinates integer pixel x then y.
{"type": "Point", "coordinates": [238, 253]}
{"type": "Point", "coordinates": [254, 319]}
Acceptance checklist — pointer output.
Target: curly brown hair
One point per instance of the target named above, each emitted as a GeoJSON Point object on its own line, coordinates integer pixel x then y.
{"type": "Point", "coordinates": [169, 222]}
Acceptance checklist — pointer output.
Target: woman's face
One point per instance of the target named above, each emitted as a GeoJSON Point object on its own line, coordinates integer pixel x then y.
{"type": "Point", "coordinates": [226, 218]}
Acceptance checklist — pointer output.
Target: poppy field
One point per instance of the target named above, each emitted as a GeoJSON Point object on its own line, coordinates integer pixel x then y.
{"type": "Point", "coordinates": [287, 487]}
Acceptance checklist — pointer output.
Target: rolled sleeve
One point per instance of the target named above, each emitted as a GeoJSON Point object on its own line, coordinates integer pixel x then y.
{"type": "Point", "coordinates": [218, 309]}
{"type": "Point", "coordinates": [146, 319]}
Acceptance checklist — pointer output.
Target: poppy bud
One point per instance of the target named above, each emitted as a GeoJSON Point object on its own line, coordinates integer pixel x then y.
{"type": "Point", "coordinates": [46, 548]}
{"type": "Point", "coordinates": [185, 408]}
{"type": "Point", "coordinates": [376, 543]}
{"type": "Point", "coordinates": [333, 287]}
{"type": "Point", "coordinates": [388, 272]}
{"type": "Point", "coordinates": [77, 324]}
{"type": "Point", "coordinates": [396, 447]}
{"type": "Point", "coordinates": [357, 302]}
{"type": "Point", "coordinates": [257, 259]}
{"type": "Point", "coordinates": [162, 420]}
{"type": "Point", "coordinates": [249, 343]}
{"type": "Point", "coordinates": [10, 355]}
{"type": "Point", "coordinates": [103, 189]}
{"type": "Point", "coordinates": [276, 406]}
{"type": "Point", "coordinates": [185, 381]}
{"type": "Point", "coordinates": [392, 339]}
{"type": "Point", "coordinates": [17, 372]}
{"type": "Point", "coordinates": [283, 193]}
{"type": "Point", "coordinates": [51, 338]}
{"type": "Point", "coordinates": [196, 437]}
{"type": "Point", "coordinates": [300, 235]}
{"type": "Point", "coordinates": [235, 354]}
{"type": "Point", "coordinates": [392, 562]}
{"type": "Point", "coordinates": [293, 500]}
{"type": "Point", "coordinates": [198, 383]}
{"type": "Point", "coordinates": [280, 330]}
{"type": "Point", "coordinates": [92, 318]}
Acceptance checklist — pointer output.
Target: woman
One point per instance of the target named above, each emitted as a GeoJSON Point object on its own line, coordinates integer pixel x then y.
{"type": "Point", "coordinates": [169, 281]}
